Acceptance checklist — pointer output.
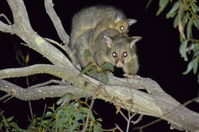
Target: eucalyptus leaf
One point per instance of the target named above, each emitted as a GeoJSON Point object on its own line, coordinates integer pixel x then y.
{"type": "Point", "coordinates": [93, 72]}
{"type": "Point", "coordinates": [66, 98]}
{"type": "Point", "coordinates": [196, 22]}
{"type": "Point", "coordinates": [177, 20]}
{"type": "Point", "coordinates": [87, 69]}
{"type": "Point", "coordinates": [48, 114]}
{"type": "Point", "coordinates": [162, 5]}
{"type": "Point", "coordinates": [103, 77]}
{"type": "Point", "coordinates": [173, 10]}
{"type": "Point", "coordinates": [9, 119]}
{"type": "Point", "coordinates": [189, 29]}
{"type": "Point", "coordinates": [87, 54]}
{"type": "Point", "coordinates": [183, 50]}
{"type": "Point", "coordinates": [189, 68]}
{"type": "Point", "coordinates": [195, 65]}
{"type": "Point", "coordinates": [148, 4]}
{"type": "Point", "coordinates": [98, 128]}
{"type": "Point", "coordinates": [107, 67]}
{"type": "Point", "coordinates": [194, 8]}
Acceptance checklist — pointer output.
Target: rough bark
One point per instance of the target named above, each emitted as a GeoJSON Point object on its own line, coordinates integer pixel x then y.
{"type": "Point", "coordinates": [124, 92]}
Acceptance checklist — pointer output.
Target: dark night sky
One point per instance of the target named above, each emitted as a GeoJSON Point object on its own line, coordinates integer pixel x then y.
{"type": "Point", "coordinates": [158, 53]}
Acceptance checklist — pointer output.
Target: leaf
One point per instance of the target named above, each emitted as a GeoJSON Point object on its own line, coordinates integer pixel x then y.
{"type": "Point", "coordinates": [185, 18]}
{"type": "Point", "coordinates": [48, 114]}
{"type": "Point", "coordinates": [103, 77]}
{"type": "Point", "coordinates": [173, 10]}
{"type": "Point", "coordinates": [189, 68]}
{"type": "Point", "coordinates": [183, 49]}
{"type": "Point", "coordinates": [27, 58]}
{"type": "Point", "coordinates": [177, 20]}
{"type": "Point", "coordinates": [148, 4]}
{"type": "Point", "coordinates": [98, 128]}
{"type": "Point", "coordinates": [194, 8]}
{"type": "Point", "coordinates": [9, 119]}
{"type": "Point", "coordinates": [87, 54]}
{"type": "Point", "coordinates": [93, 72]}
{"type": "Point", "coordinates": [107, 67]}
{"type": "Point", "coordinates": [87, 69]}
{"type": "Point", "coordinates": [162, 5]}
{"type": "Point", "coordinates": [195, 65]}
{"type": "Point", "coordinates": [189, 29]}
{"type": "Point", "coordinates": [59, 123]}
{"type": "Point", "coordinates": [66, 98]}
{"type": "Point", "coordinates": [196, 22]}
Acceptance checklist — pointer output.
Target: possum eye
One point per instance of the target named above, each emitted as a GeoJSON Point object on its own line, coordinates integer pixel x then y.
{"type": "Point", "coordinates": [122, 28]}
{"type": "Point", "coordinates": [125, 54]}
{"type": "Point", "coordinates": [114, 54]}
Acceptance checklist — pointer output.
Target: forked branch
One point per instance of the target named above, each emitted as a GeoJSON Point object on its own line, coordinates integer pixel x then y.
{"type": "Point", "coordinates": [121, 92]}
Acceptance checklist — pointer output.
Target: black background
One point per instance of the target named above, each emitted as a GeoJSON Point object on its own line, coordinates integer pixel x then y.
{"type": "Point", "coordinates": [158, 53]}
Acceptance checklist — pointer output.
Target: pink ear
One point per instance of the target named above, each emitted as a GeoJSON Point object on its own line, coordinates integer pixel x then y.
{"type": "Point", "coordinates": [108, 41]}
{"type": "Point", "coordinates": [117, 18]}
{"type": "Point", "coordinates": [131, 21]}
{"type": "Point", "coordinates": [134, 40]}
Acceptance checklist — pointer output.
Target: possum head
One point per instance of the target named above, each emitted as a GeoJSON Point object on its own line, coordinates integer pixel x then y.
{"type": "Point", "coordinates": [120, 49]}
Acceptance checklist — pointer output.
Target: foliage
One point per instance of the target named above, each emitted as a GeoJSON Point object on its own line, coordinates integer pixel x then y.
{"type": "Point", "coordinates": [7, 124]}
{"type": "Point", "coordinates": [99, 72]}
{"type": "Point", "coordinates": [186, 19]}
{"type": "Point", "coordinates": [70, 117]}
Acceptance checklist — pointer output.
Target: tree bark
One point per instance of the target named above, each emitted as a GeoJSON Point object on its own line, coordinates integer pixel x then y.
{"type": "Point", "coordinates": [123, 93]}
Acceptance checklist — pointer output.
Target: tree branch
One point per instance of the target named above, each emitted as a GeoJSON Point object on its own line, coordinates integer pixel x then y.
{"type": "Point", "coordinates": [23, 29]}
{"type": "Point", "coordinates": [38, 92]}
{"type": "Point", "coordinates": [56, 21]}
{"type": "Point", "coordinates": [157, 104]}
{"type": "Point", "coordinates": [121, 92]}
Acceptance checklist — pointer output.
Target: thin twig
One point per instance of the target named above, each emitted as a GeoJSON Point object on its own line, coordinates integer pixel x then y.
{"type": "Point", "coordinates": [123, 115]}
{"type": "Point", "coordinates": [88, 113]}
{"type": "Point", "coordinates": [5, 17]}
{"type": "Point", "coordinates": [147, 125]}
{"type": "Point", "coordinates": [87, 116]}
{"type": "Point", "coordinates": [65, 49]}
{"type": "Point", "coordinates": [47, 83]}
{"type": "Point", "coordinates": [45, 107]}
{"type": "Point", "coordinates": [119, 128]}
{"type": "Point", "coordinates": [138, 120]}
{"type": "Point", "coordinates": [30, 107]}
{"type": "Point", "coordinates": [8, 99]}
{"type": "Point", "coordinates": [5, 96]}
{"type": "Point", "coordinates": [130, 117]}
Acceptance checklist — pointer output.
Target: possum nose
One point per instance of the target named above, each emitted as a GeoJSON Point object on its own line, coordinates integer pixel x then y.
{"type": "Point", "coordinates": [119, 63]}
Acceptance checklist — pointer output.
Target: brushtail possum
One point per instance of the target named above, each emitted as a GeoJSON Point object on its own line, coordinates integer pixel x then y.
{"type": "Point", "coordinates": [99, 18]}
{"type": "Point", "coordinates": [110, 46]}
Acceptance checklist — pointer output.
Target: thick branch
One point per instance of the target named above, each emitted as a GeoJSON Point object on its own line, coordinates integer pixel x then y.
{"type": "Point", "coordinates": [23, 29]}
{"type": "Point", "coordinates": [122, 93]}
{"type": "Point", "coordinates": [38, 92]}
{"type": "Point", "coordinates": [59, 28]}
{"type": "Point", "coordinates": [157, 104]}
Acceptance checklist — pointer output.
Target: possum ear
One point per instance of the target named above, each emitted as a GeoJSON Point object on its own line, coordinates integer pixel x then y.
{"type": "Point", "coordinates": [109, 41]}
{"type": "Point", "coordinates": [131, 21]}
{"type": "Point", "coordinates": [117, 17]}
{"type": "Point", "coordinates": [134, 40]}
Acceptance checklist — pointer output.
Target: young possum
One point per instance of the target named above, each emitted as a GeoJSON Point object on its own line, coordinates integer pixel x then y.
{"type": "Point", "coordinates": [99, 18]}
{"type": "Point", "coordinates": [117, 49]}
{"type": "Point", "coordinates": [109, 47]}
